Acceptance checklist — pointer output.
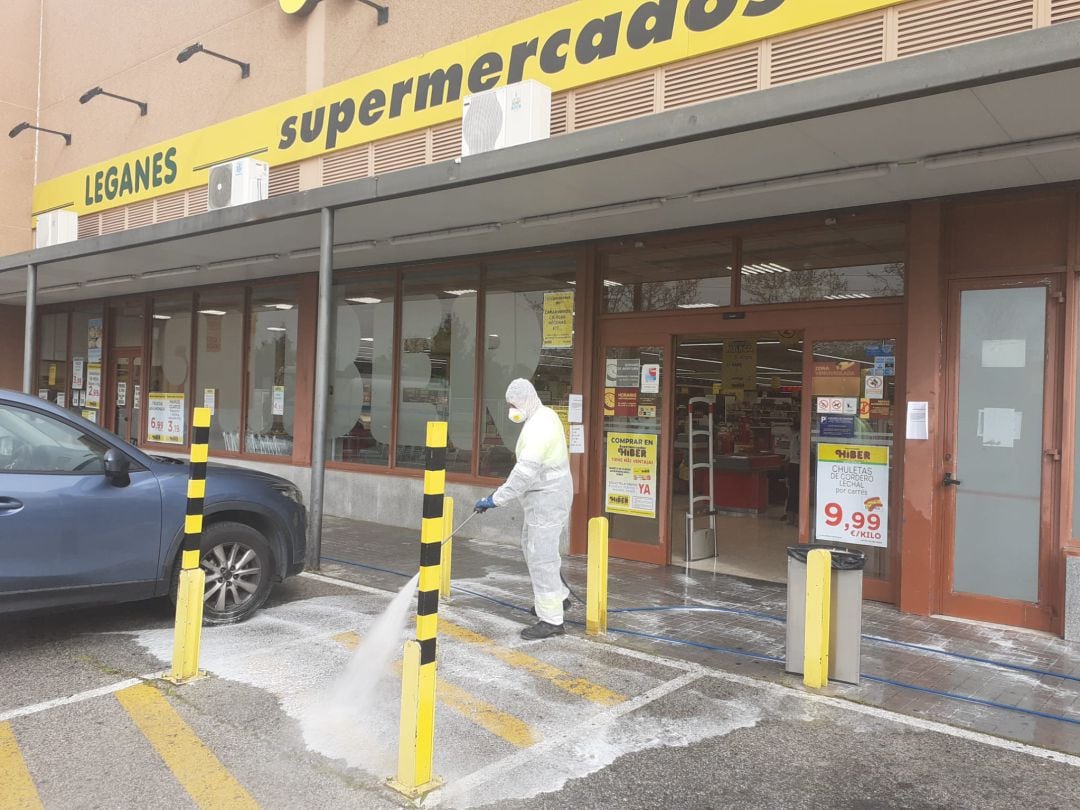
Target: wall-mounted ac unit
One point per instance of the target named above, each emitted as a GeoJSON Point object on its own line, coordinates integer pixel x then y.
{"type": "Point", "coordinates": [506, 116]}
{"type": "Point", "coordinates": [237, 182]}
{"type": "Point", "coordinates": [55, 228]}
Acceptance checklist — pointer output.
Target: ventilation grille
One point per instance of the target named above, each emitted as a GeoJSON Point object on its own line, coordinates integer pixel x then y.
{"type": "Point", "coordinates": [89, 225]}
{"type": "Point", "coordinates": [716, 76]}
{"type": "Point", "coordinates": [942, 25]}
{"type": "Point", "coordinates": [140, 214]}
{"type": "Point", "coordinates": [284, 179]}
{"type": "Point", "coordinates": [852, 45]}
{"type": "Point", "coordinates": [172, 206]}
{"type": "Point", "coordinates": [558, 113]}
{"type": "Point", "coordinates": [446, 142]}
{"type": "Point", "coordinates": [617, 100]}
{"type": "Point", "coordinates": [400, 153]}
{"type": "Point", "coordinates": [113, 220]}
{"type": "Point", "coordinates": [348, 164]}
{"type": "Point", "coordinates": [1064, 10]}
{"type": "Point", "coordinates": [196, 200]}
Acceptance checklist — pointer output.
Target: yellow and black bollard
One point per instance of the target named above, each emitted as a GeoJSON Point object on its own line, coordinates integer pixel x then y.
{"type": "Point", "coordinates": [189, 594]}
{"type": "Point", "coordinates": [416, 744]}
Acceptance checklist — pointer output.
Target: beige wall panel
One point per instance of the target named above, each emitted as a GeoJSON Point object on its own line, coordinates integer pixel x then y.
{"type": "Point", "coordinates": [18, 52]}
{"type": "Point", "coordinates": [182, 98]}
{"type": "Point", "coordinates": [16, 179]}
{"type": "Point", "coordinates": [89, 42]}
{"type": "Point", "coordinates": [12, 322]}
{"type": "Point", "coordinates": [356, 45]}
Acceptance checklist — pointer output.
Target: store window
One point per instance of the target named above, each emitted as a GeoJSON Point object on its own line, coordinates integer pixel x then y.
{"type": "Point", "coordinates": [529, 333]}
{"type": "Point", "coordinates": [86, 350]}
{"type": "Point", "coordinates": [644, 277]}
{"type": "Point", "coordinates": [271, 392]}
{"type": "Point", "coordinates": [826, 263]}
{"type": "Point", "coordinates": [168, 397]}
{"type": "Point", "coordinates": [361, 370]}
{"type": "Point", "coordinates": [52, 357]}
{"type": "Point", "coordinates": [438, 363]}
{"type": "Point", "coordinates": [853, 463]}
{"type": "Point", "coordinates": [126, 322]}
{"type": "Point", "coordinates": [219, 346]}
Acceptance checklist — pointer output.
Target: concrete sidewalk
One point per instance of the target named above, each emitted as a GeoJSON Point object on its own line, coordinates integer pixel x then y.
{"type": "Point", "coordinates": [1011, 683]}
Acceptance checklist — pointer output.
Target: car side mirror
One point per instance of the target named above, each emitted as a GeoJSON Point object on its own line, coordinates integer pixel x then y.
{"type": "Point", "coordinates": [117, 466]}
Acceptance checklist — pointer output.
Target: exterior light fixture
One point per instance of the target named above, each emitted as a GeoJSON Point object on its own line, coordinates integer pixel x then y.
{"type": "Point", "coordinates": [191, 50]}
{"type": "Point", "coordinates": [384, 11]}
{"type": "Point", "coordinates": [94, 92]}
{"type": "Point", "coordinates": [15, 130]}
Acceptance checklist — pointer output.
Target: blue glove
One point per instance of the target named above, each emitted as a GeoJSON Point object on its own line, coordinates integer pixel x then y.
{"type": "Point", "coordinates": [484, 504]}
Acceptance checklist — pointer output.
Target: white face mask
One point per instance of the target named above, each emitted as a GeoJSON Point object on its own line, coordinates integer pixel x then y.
{"type": "Point", "coordinates": [517, 416]}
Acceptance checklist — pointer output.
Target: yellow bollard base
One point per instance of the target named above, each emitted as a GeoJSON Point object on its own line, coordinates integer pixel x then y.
{"type": "Point", "coordinates": [417, 792]}
{"type": "Point", "coordinates": [177, 680]}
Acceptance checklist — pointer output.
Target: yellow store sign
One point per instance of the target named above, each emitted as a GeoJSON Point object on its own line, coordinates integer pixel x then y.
{"type": "Point", "coordinates": [577, 44]}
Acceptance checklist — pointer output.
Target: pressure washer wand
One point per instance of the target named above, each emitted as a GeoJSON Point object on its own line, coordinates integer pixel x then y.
{"type": "Point", "coordinates": [460, 527]}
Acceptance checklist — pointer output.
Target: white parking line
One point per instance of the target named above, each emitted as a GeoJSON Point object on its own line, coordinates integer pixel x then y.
{"type": "Point", "coordinates": [597, 721]}
{"type": "Point", "coordinates": [78, 697]}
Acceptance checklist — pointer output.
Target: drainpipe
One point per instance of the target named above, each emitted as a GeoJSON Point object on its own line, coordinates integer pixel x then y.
{"type": "Point", "coordinates": [322, 389]}
{"type": "Point", "coordinates": [30, 333]}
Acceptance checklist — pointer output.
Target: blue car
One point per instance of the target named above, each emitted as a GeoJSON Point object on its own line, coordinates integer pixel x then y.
{"type": "Point", "coordinates": [88, 519]}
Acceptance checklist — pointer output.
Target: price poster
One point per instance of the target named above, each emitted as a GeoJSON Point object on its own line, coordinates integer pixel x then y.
{"type": "Point", "coordinates": [853, 494]}
{"type": "Point", "coordinates": [166, 418]}
{"type": "Point", "coordinates": [78, 366]}
{"type": "Point", "coordinates": [631, 474]}
{"type": "Point", "coordinates": [558, 320]}
{"type": "Point", "coordinates": [93, 386]}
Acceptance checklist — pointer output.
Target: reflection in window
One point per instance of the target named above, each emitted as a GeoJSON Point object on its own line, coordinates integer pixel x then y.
{"type": "Point", "coordinates": [438, 363]}
{"type": "Point", "coordinates": [272, 371]}
{"type": "Point", "coordinates": [361, 377]}
{"type": "Point", "coordinates": [644, 277]}
{"type": "Point", "coordinates": [52, 356]}
{"type": "Point", "coordinates": [170, 368]}
{"type": "Point", "coordinates": [219, 367]}
{"type": "Point", "coordinates": [826, 263]}
{"type": "Point", "coordinates": [528, 318]}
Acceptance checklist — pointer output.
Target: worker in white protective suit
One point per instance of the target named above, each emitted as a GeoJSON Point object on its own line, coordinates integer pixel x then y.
{"type": "Point", "coordinates": [541, 481]}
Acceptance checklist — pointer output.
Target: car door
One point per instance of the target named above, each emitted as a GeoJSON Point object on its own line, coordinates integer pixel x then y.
{"type": "Point", "coordinates": [67, 532]}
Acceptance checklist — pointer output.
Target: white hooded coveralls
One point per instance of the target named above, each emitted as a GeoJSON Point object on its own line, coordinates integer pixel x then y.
{"type": "Point", "coordinates": [541, 480]}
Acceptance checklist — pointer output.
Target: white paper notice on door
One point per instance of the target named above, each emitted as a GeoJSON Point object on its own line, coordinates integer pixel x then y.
{"type": "Point", "coordinates": [999, 427]}
{"type": "Point", "coordinates": [918, 422]}
{"type": "Point", "coordinates": [1004, 353]}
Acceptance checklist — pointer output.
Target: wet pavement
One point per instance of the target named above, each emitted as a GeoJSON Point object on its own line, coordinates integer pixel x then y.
{"type": "Point", "coordinates": [1006, 682]}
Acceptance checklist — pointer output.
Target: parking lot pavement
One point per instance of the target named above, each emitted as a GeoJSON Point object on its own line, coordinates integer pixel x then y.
{"type": "Point", "coordinates": [566, 722]}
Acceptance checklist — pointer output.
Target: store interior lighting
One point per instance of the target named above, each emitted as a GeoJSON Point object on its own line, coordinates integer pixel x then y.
{"type": "Point", "coordinates": [363, 299]}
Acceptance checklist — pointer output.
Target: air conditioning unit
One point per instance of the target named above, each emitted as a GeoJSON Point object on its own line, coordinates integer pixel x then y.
{"type": "Point", "coordinates": [506, 116]}
{"type": "Point", "coordinates": [55, 228]}
{"type": "Point", "coordinates": [238, 182]}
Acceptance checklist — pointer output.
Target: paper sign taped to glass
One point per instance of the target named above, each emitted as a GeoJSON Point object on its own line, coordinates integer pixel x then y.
{"type": "Point", "coordinates": [631, 482]}
{"type": "Point", "coordinates": [558, 320]}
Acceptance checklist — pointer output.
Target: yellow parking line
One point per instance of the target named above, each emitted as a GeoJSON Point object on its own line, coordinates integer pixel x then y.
{"type": "Point", "coordinates": [18, 791]}
{"type": "Point", "coordinates": [565, 681]}
{"type": "Point", "coordinates": [516, 732]}
{"type": "Point", "coordinates": [200, 773]}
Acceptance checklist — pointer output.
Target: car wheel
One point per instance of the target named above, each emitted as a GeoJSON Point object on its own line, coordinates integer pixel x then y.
{"type": "Point", "coordinates": [239, 572]}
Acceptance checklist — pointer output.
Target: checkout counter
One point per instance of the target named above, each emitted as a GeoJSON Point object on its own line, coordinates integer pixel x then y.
{"type": "Point", "coordinates": [741, 481]}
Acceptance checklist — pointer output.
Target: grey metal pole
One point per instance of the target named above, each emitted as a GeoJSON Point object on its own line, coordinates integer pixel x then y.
{"type": "Point", "coordinates": [322, 389]}
{"type": "Point", "coordinates": [30, 332]}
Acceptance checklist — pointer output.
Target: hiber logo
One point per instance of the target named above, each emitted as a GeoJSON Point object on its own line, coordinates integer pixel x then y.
{"type": "Point", "coordinates": [298, 7]}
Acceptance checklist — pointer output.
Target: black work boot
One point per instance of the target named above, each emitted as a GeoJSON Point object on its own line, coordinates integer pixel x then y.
{"type": "Point", "coordinates": [566, 605]}
{"type": "Point", "coordinates": [542, 630]}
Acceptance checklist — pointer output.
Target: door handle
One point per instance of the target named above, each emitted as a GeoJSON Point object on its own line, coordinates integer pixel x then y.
{"type": "Point", "coordinates": [950, 481]}
{"type": "Point", "coordinates": [10, 505]}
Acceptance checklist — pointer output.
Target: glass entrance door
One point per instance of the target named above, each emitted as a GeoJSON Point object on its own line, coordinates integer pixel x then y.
{"type": "Point", "coordinates": [632, 459]}
{"type": "Point", "coordinates": [126, 393]}
{"type": "Point", "coordinates": [1000, 463]}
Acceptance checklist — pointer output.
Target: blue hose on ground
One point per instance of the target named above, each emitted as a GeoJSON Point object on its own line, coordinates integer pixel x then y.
{"type": "Point", "coordinates": [771, 658]}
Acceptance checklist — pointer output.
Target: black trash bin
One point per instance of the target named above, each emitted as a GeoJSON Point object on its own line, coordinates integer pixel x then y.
{"type": "Point", "coordinates": [845, 611]}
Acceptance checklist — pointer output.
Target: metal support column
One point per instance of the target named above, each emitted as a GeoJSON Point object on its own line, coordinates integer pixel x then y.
{"type": "Point", "coordinates": [322, 389]}
{"type": "Point", "coordinates": [30, 333]}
